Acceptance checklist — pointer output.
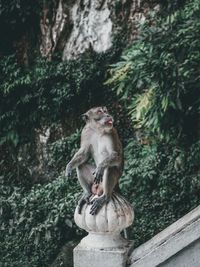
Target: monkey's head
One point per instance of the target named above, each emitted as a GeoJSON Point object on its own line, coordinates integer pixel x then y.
{"type": "Point", "coordinates": [99, 118]}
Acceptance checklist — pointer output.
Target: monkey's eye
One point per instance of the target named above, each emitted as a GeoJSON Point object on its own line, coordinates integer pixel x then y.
{"type": "Point", "coordinates": [99, 111]}
{"type": "Point", "coordinates": [97, 119]}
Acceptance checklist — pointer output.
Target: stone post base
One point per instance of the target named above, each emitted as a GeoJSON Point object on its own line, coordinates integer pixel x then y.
{"type": "Point", "coordinates": [98, 257]}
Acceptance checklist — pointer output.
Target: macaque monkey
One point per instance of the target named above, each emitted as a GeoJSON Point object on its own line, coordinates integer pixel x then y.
{"type": "Point", "coordinates": [99, 140]}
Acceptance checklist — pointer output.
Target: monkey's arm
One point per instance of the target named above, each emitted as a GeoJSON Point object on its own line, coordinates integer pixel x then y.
{"type": "Point", "coordinates": [113, 159]}
{"type": "Point", "coordinates": [79, 158]}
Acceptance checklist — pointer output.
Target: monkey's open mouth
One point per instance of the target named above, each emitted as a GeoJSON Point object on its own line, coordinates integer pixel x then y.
{"type": "Point", "coordinates": [109, 122]}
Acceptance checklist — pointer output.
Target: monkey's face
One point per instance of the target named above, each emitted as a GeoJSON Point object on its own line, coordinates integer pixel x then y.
{"type": "Point", "coordinates": [100, 118]}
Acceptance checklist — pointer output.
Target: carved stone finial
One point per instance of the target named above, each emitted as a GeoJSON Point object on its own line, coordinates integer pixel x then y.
{"type": "Point", "coordinates": [104, 245]}
{"type": "Point", "coordinates": [104, 228]}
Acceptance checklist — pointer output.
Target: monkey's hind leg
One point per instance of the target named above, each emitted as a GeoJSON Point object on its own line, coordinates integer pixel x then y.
{"type": "Point", "coordinates": [110, 179]}
{"type": "Point", "coordinates": [84, 199]}
{"type": "Point", "coordinates": [98, 203]}
{"type": "Point", "coordinates": [84, 173]}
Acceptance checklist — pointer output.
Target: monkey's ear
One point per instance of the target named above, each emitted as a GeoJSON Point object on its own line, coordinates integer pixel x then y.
{"type": "Point", "coordinates": [85, 117]}
{"type": "Point", "coordinates": [105, 109]}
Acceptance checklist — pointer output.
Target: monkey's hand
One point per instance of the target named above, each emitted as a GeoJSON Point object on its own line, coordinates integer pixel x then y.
{"type": "Point", "coordinates": [68, 170]}
{"type": "Point", "coordinates": [98, 175]}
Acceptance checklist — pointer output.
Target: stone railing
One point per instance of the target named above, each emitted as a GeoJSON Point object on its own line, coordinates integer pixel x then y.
{"type": "Point", "coordinates": [176, 246]}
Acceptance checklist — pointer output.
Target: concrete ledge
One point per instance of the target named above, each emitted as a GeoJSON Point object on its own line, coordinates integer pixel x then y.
{"type": "Point", "coordinates": [169, 242]}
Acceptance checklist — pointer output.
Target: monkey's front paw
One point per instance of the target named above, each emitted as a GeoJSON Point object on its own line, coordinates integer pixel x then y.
{"type": "Point", "coordinates": [98, 175]}
{"type": "Point", "coordinates": [68, 170]}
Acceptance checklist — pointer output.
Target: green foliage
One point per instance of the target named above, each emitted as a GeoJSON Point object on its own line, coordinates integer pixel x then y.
{"type": "Point", "coordinates": [47, 93]}
{"type": "Point", "coordinates": [62, 150]}
{"type": "Point", "coordinates": [18, 11]}
{"type": "Point", "coordinates": [38, 219]}
{"type": "Point", "coordinates": [34, 225]}
{"type": "Point", "coordinates": [158, 76]}
{"type": "Point", "coordinates": [19, 22]}
{"type": "Point", "coordinates": [36, 222]}
{"type": "Point", "coordinates": [163, 184]}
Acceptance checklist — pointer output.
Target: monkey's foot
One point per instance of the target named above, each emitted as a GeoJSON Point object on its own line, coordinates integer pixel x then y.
{"type": "Point", "coordinates": [84, 199]}
{"type": "Point", "coordinates": [98, 203]}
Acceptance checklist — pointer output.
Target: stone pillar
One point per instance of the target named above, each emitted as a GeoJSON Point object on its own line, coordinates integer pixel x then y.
{"type": "Point", "coordinates": [104, 246]}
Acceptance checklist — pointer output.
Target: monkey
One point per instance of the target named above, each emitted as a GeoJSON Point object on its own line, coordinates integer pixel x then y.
{"type": "Point", "coordinates": [100, 141]}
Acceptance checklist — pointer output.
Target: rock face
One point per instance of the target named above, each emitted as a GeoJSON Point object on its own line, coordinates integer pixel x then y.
{"type": "Point", "coordinates": [105, 227]}
{"type": "Point", "coordinates": [76, 26]}
{"type": "Point", "coordinates": [92, 28]}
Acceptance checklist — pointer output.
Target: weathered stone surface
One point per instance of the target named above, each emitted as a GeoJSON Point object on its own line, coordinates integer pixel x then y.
{"type": "Point", "coordinates": [92, 27]}
{"type": "Point", "coordinates": [189, 256]}
{"type": "Point", "coordinates": [76, 26]}
{"type": "Point", "coordinates": [87, 257]}
{"type": "Point", "coordinates": [104, 245]}
{"type": "Point", "coordinates": [52, 24]}
{"type": "Point", "coordinates": [112, 218]}
{"type": "Point", "coordinates": [178, 245]}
